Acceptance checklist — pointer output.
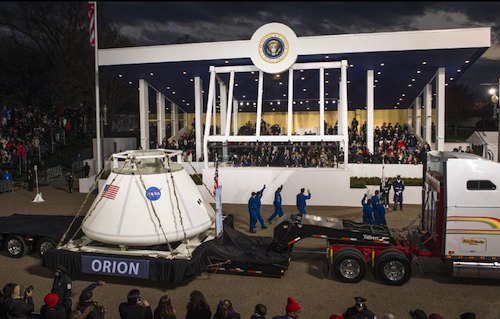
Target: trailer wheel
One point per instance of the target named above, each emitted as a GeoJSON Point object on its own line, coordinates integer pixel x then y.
{"type": "Point", "coordinates": [45, 244]}
{"type": "Point", "coordinates": [393, 268]}
{"type": "Point", "coordinates": [349, 265]}
{"type": "Point", "coordinates": [15, 246]}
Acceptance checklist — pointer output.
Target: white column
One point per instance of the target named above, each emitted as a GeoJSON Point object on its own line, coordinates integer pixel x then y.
{"type": "Point", "coordinates": [208, 116]}
{"type": "Point", "coordinates": [418, 117]}
{"type": "Point", "coordinates": [144, 113]}
{"type": "Point", "coordinates": [339, 110]}
{"type": "Point", "coordinates": [428, 113]}
{"type": "Point", "coordinates": [440, 105]}
{"type": "Point", "coordinates": [160, 111]}
{"type": "Point", "coordinates": [198, 107]}
{"type": "Point", "coordinates": [343, 107]}
{"type": "Point", "coordinates": [370, 96]}
{"type": "Point", "coordinates": [214, 110]}
{"type": "Point", "coordinates": [322, 101]}
{"type": "Point", "coordinates": [235, 117]}
{"type": "Point", "coordinates": [223, 106]}
{"type": "Point", "coordinates": [290, 103]}
{"type": "Point", "coordinates": [174, 114]}
{"type": "Point", "coordinates": [230, 104]}
{"type": "Point", "coordinates": [259, 103]}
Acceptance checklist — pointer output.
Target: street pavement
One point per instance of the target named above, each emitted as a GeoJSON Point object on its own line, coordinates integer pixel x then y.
{"type": "Point", "coordinates": [320, 295]}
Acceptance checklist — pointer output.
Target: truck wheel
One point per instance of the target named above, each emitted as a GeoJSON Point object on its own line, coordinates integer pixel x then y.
{"type": "Point", "coordinates": [15, 246]}
{"type": "Point", "coordinates": [393, 268]}
{"type": "Point", "coordinates": [349, 265]}
{"type": "Point", "coordinates": [45, 244]}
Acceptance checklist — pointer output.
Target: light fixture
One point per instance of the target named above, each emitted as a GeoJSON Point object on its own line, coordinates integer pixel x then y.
{"type": "Point", "coordinates": [327, 81]}
{"type": "Point", "coordinates": [191, 80]}
{"type": "Point", "coordinates": [151, 73]}
{"type": "Point", "coordinates": [466, 61]}
{"type": "Point", "coordinates": [327, 56]}
{"type": "Point", "coordinates": [418, 71]}
{"type": "Point", "coordinates": [184, 72]}
{"type": "Point", "coordinates": [304, 89]}
{"type": "Point", "coordinates": [413, 80]}
{"type": "Point", "coordinates": [274, 109]}
{"type": "Point", "coordinates": [241, 103]}
{"type": "Point", "coordinates": [459, 70]}
{"type": "Point", "coordinates": [379, 72]}
{"type": "Point", "coordinates": [403, 94]}
{"type": "Point", "coordinates": [302, 78]}
{"type": "Point", "coordinates": [301, 102]}
{"type": "Point", "coordinates": [235, 84]}
{"type": "Point", "coordinates": [244, 96]}
{"type": "Point", "coordinates": [424, 62]}
{"type": "Point", "coordinates": [119, 75]}
{"type": "Point", "coordinates": [168, 87]}
{"type": "Point", "coordinates": [173, 92]}
{"type": "Point", "coordinates": [451, 79]}
{"type": "Point", "coordinates": [278, 102]}
{"type": "Point", "coordinates": [382, 64]}
{"type": "Point", "coordinates": [351, 65]}
{"type": "Point", "coordinates": [226, 61]}
{"type": "Point", "coordinates": [409, 85]}
{"type": "Point", "coordinates": [129, 82]}
{"type": "Point", "coordinates": [281, 83]}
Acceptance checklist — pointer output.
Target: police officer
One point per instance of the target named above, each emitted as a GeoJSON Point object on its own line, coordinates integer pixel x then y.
{"type": "Point", "coordinates": [359, 310]}
{"type": "Point", "coordinates": [386, 189]}
{"type": "Point", "coordinates": [399, 187]}
{"type": "Point", "coordinates": [29, 180]}
{"type": "Point", "coordinates": [69, 180]}
{"type": "Point", "coordinates": [62, 286]}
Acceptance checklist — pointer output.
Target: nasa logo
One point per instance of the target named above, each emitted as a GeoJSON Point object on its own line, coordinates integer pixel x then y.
{"type": "Point", "coordinates": [153, 193]}
{"type": "Point", "coordinates": [273, 47]}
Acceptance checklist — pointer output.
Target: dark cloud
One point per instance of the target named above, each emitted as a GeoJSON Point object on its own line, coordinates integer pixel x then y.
{"type": "Point", "coordinates": [238, 20]}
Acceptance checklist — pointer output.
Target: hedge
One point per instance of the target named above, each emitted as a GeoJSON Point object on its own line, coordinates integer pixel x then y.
{"type": "Point", "coordinates": [361, 182]}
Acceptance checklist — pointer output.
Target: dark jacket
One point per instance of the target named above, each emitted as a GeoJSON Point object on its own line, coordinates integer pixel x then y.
{"type": "Point", "coordinates": [351, 313]}
{"type": "Point", "coordinates": [58, 312]}
{"type": "Point", "coordinates": [134, 311]}
{"type": "Point", "coordinates": [198, 314]}
{"type": "Point", "coordinates": [62, 288]}
{"type": "Point", "coordinates": [18, 308]}
{"type": "Point", "coordinates": [97, 313]}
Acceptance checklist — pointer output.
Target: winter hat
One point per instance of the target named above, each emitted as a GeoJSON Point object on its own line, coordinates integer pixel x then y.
{"type": "Point", "coordinates": [51, 300]}
{"type": "Point", "coordinates": [292, 305]}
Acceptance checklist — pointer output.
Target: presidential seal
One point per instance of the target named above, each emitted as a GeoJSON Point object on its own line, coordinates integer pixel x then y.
{"type": "Point", "coordinates": [273, 47]}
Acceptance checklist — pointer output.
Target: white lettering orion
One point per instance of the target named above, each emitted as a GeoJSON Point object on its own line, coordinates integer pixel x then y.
{"type": "Point", "coordinates": [113, 267]}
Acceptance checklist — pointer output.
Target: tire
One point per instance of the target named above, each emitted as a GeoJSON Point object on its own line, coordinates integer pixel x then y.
{"type": "Point", "coordinates": [393, 268]}
{"type": "Point", "coordinates": [45, 244]}
{"type": "Point", "coordinates": [349, 265]}
{"type": "Point", "coordinates": [15, 246]}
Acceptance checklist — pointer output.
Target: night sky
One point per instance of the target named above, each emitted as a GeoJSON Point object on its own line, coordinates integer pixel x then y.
{"type": "Point", "coordinates": [156, 23]}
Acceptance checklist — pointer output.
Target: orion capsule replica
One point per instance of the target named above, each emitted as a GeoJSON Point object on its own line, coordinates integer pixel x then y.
{"type": "Point", "coordinates": [148, 199]}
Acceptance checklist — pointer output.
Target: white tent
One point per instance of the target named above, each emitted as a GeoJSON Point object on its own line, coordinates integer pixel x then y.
{"type": "Point", "coordinates": [488, 141]}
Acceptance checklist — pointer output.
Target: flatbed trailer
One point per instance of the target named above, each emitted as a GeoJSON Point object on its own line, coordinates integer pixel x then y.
{"type": "Point", "coordinates": [21, 234]}
{"type": "Point", "coordinates": [352, 247]}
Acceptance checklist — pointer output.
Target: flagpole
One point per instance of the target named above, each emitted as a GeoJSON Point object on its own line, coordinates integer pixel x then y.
{"type": "Point", "coordinates": [97, 102]}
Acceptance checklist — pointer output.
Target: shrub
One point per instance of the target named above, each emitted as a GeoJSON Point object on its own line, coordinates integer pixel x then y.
{"type": "Point", "coordinates": [361, 182]}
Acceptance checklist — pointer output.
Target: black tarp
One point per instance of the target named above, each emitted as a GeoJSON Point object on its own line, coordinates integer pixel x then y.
{"type": "Point", "coordinates": [232, 245]}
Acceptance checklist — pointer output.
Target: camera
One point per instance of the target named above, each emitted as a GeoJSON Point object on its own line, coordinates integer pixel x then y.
{"type": "Point", "coordinates": [27, 290]}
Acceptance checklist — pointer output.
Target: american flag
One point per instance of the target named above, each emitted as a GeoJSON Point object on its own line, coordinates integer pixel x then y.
{"type": "Point", "coordinates": [91, 16]}
{"type": "Point", "coordinates": [216, 176]}
{"type": "Point", "coordinates": [110, 191]}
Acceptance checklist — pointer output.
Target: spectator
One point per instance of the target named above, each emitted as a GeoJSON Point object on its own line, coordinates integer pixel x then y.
{"type": "Point", "coordinates": [4, 297]}
{"type": "Point", "coordinates": [293, 310]}
{"type": "Point", "coordinates": [435, 316]}
{"type": "Point", "coordinates": [136, 307]}
{"type": "Point", "coordinates": [197, 307]}
{"type": "Point", "coordinates": [52, 309]}
{"type": "Point", "coordinates": [418, 314]}
{"type": "Point", "coordinates": [69, 181]}
{"type": "Point", "coordinates": [468, 315]}
{"type": "Point", "coordinates": [165, 310]}
{"type": "Point", "coordinates": [259, 312]}
{"type": "Point", "coordinates": [359, 310]}
{"type": "Point", "coordinates": [225, 310]}
{"type": "Point", "coordinates": [19, 306]}
{"type": "Point", "coordinates": [86, 304]}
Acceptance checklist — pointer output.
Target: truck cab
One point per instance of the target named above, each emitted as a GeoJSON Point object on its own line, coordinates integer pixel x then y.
{"type": "Point", "coordinates": [461, 213]}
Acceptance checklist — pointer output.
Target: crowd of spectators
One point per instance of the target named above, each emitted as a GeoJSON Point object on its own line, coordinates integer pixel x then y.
{"type": "Point", "coordinates": [29, 133]}
{"type": "Point", "coordinates": [17, 302]}
{"type": "Point", "coordinates": [393, 144]}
